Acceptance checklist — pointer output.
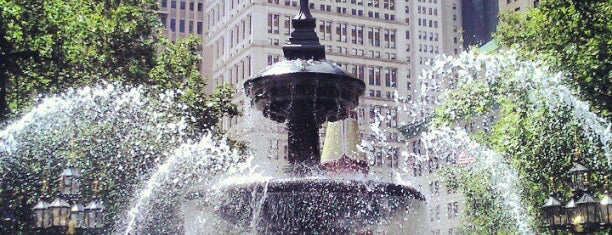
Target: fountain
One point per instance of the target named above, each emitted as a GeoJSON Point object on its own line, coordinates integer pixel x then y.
{"type": "Point", "coordinates": [124, 128]}
{"type": "Point", "coordinates": [305, 91]}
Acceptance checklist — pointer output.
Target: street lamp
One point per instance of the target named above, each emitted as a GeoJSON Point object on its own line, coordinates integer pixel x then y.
{"type": "Point", "coordinates": [66, 214]}
{"type": "Point", "coordinates": [588, 216]}
{"type": "Point", "coordinates": [606, 210]}
{"type": "Point", "coordinates": [60, 210]}
{"type": "Point", "coordinates": [583, 213]}
{"type": "Point", "coordinates": [95, 215]}
{"type": "Point", "coordinates": [77, 214]}
{"type": "Point", "coordinates": [578, 175]}
{"type": "Point", "coordinates": [42, 215]}
{"type": "Point", "coordinates": [70, 182]}
{"type": "Point", "coordinates": [553, 216]}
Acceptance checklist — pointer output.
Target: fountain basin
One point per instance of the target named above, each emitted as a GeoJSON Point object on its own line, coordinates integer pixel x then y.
{"type": "Point", "coordinates": [318, 206]}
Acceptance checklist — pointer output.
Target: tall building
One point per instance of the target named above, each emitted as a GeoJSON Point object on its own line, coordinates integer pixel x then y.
{"type": "Point", "coordinates": [385, 43]}
{"type": "Point", "coordinates": [516, 5]}
{"type": "Point", "coordinates": [480, 19]}
{"type": "Point", "coordinates": [181, 18]}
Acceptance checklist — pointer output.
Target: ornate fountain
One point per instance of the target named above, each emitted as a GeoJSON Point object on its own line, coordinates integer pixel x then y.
{"type": "Point", "coordinates": [306, 91]}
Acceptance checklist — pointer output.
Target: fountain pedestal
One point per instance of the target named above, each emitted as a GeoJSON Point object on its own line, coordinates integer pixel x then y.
{"type": "Point", "coordinates": [305, 91]}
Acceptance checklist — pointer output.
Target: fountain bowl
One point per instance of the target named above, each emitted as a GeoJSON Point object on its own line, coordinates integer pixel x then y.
{"type": "Point", "coordinates": [327, 89]}
{"type": "Point", "coordinates": [317, 205]}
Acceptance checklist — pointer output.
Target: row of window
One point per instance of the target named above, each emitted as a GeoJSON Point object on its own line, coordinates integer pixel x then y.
{"type": "Point", "coordinates": [239, 71]}
{"type": "Point", "coordinates": [378, 37]}
{"type": "Point", "coordinates": [452, 212]}
{"type": "Point", "coordinates": [434, 188]}
{"type": "Point", "coordinates": [451, 231]}
{"type": "Point", "coordinates": [389, 158]}
{"type": "Point", "coordinates": [432, 49]}
{"type": "Point", "coordinates": [237, 33]}
{"type": "Point", "coordinates": [183, 5]}
{"type": "Point", "coordinates": [426, 10]}
{"type": "Point", "coordinates": [182, 27]}
{"type": "Point", "coordinates": [432, 23]}
{"type": "Point", "coordinates": [423, 35]}
{"type": "Point", "coordinates": [217, 11]}
{"type": "Point", "coordinates": [389, 95]}
{"type": "Point", "coordinates": [388, 115]}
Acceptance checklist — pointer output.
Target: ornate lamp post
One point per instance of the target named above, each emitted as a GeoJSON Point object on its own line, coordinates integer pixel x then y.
{"type": "Point", "coordinates": [583, 213]}
{"type": "Point", "coordinates": [606, 209]}
{"type": "Point", "coordinates": [60, 210]}
{"type": "Point", "coordinates": [553, 213]}
{"type": "Point", "coordinates": [94, 213]}
{"type": "Point", "coordinates": [66, 214]}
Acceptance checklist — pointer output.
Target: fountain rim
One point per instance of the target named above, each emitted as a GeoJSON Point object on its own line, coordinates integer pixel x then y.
{"type": "Point", "coordinates": [327, 185]}
{"type": "Point", "coordinates": [301, 66]}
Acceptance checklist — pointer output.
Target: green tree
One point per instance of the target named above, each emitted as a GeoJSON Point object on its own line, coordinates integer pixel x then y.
{"type": "Point", "coordinates": [177, 68]}
{"type": "Point", "coordinates": [575, 37]}
{"type": "Point", "coordinates": [53, 46]}
{"type": "Point", "coordinates": [50, 45]}
{"type": "Point", "coordinates": [541, 130]}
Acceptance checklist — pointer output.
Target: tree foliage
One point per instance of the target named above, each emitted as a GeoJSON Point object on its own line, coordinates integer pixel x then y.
{"type": "Point", "coordinates": [541, 129]}
{"type": "Point", "coordinates": [575, 37]}
{"type": "Point", "coordinates": [52, 46]}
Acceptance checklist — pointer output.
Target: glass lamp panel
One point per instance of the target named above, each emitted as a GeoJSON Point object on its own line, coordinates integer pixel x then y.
{"type": "Point", "coordinates": [55, 214]}
{"type": "Point", "coordinates": [74, 217]}
{"type": "Point", "coordinates": [65, 211]}
{"type": "Point", "coordinates": [75, 186]}
{"type": "Point", "coordinates": [39, 218]}
{"type": "Point", "coordinates": [593, 213]}
{"type": "Point", "coordinates": [99, 219]}
{"type": "Point", "coordinates": [558, 216]}
{"type": "Point", "coordinates": [48, 218]}
{"type": "Point", "coordinates": [66, 184]}
{"type": "Point", "coordinates": [80, 219]}
{"type": "Point", "coordinates": [91, 219]}
{"type": "Point", "coordinates": [606, 215]}
{"type": "Point", "coordinates": [606, 209]}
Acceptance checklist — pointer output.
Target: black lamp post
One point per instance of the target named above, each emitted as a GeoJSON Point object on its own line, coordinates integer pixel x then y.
{"type": "Point", "coordinates": [60, 210]}
{"type": "Point", "coordinates": [606, 210]}
{"type": "Point", "coordinates": [583, 213]}
{"type": "Point", "coordinates": [554, 218]}
{"type": "Point", "coordinates": [66, 214]}
{"type": "Point", "coordinates": [94, 220]}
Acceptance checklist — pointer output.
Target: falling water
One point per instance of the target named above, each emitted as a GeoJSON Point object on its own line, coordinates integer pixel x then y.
{"type": "Point", "coordinates": [117, 126]}
{"type": "Point", "coordinates": [191, 165]}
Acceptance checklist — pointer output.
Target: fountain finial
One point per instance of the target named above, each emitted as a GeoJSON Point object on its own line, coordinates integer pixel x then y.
{"type": "Point", "coordinates": [304, 43]}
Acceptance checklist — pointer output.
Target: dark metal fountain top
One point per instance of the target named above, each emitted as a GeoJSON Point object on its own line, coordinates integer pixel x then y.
{"type": "Point", "coordinates": [304, 41]}
{"type": "Point", "coordinates": [305, 91]}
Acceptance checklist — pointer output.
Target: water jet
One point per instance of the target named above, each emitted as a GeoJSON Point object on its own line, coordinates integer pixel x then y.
{"type": "Point", "coordinates": [304, 91]}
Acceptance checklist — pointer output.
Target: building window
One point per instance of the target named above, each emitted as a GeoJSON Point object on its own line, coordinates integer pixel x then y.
{"type": "Point", "coordinates": [172, 24]}
{"type": "Point", "coordinates": [163, 20]}
{"type": "Point", "coordinates": [199, 28]}
{"type": "Point", "coordinates": [434, 187]}
{"type": "Point", "coordinates": [183, 5]}
{"type": "Point", "coordinates": [273, 23]}
{"type": "Point", "coordinates": [287, 25]}
{"type": "Point", "coordinates": [164, 3]}
{"type": "Point", "coordinates": [200, 6]}
{"type": "Point", "coordinates": [173, 4]}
